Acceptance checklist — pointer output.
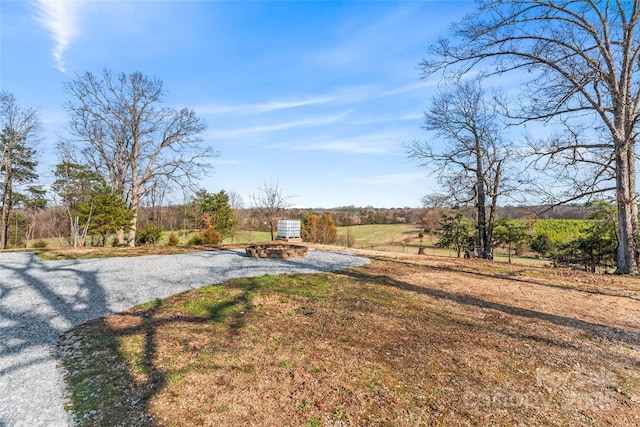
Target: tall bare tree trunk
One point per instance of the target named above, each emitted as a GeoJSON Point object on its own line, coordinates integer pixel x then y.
{"type": "Point", "coordinates": [131, 238]}
{"type": "Point", "coordinates": [120, 237]}
{"type": "Point", "coordinates": [6, 213]}
{"type": "Point", "coordinates": [481, 199]}
{"type": "Point", "coordinates": [495, 190]}
{"type": "Point", "coordinates": [135, 201]}
{"type": "Point", "coordinates": [627, 253]}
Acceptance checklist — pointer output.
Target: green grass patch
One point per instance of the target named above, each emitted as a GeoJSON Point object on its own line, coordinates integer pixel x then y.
{"type": "Point", "coordinates": [380, 234]}
{"type": "Point", "coordinates": [248, 237]}
{"type": "Point", "coordinates": [303, 285]}
{"type": "Point", "coordinates": [151, 305]}
{"type": "Point", "coordinates": [210, 308]}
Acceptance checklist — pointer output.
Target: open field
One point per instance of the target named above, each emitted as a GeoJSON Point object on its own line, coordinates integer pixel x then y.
{"type": "Point", "coordinates": [381, 234]}
{"type": "Point", "coordinates": [363, 236]}
{"type": "Point", "coordinates": [249, 236]}
{"type": "Point", "coordinates": [403, 238]}
{"type": "Point", "coordinates": [404, 341]}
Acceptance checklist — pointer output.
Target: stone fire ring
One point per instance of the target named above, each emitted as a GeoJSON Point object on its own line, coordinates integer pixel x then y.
{"type": "Point", "coordinates": [280, 251]}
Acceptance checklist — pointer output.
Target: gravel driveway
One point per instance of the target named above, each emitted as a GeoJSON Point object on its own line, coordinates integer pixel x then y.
{"type": "Point", "coordinates": [40, 300]}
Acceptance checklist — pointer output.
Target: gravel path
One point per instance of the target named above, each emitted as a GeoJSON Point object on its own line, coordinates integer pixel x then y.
{"type": "Point", "coordinates": [40, 300]}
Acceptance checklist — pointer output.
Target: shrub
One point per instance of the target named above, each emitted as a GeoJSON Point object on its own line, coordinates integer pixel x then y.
{"type": "Point", "coordinates": [319, 229]}
{"type": "Point", "coordinates": [542, 244]}
{"type": "Point", "coordinates": [173, 239]}
{"type": "Point", "coordinates": [208, 236]}
{"type": "Point", "coordinates": [211, 236]}
{"type": "Point", "coordinates": [151, 234]}
{"type": "Point", "coordinates": [40, 244]}
{"type": "Point", "coordinates": [195, 240]}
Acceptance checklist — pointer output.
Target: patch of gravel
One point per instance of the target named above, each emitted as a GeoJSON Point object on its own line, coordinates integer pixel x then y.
{"type": "Point", "coordinates": [41, 300]}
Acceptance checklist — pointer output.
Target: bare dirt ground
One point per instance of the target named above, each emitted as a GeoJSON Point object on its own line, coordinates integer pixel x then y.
{"type": "Point", "coordinates": [404, 341]}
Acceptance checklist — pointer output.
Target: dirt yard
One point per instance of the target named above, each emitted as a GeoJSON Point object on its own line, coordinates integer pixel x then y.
{"type": "Point", "coordinates": [404, 341]}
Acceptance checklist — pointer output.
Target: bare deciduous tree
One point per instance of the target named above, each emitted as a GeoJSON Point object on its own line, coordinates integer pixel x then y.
{"type": "Point", "coordinates": [128, 137]}
{"type": "Point", "coordinates": [584, 61]}
{"type": "Point", "coordinates": [470, 166]}
{"type": "Point", "coordinates": [271, 204]}
{"type": "Point", "coordinates": [573, 161]}
{"type": "Point", "coordinates": [18, 135]}
{"type": "Point", "coordinates": [235, 200]}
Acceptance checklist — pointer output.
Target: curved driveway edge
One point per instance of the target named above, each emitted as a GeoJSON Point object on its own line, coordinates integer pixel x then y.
{"type": "Point", "coordinates": [40, 300]}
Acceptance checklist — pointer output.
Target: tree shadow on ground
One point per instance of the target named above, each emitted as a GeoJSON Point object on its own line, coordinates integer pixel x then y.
{"type": "Point", "coordinates": [33, 312]}
{"type": "Point", "coordinates": [134, 379]}
{"type": "Point", "coordinates": [608, 332]}
{"type": "Point", "coordinates": [39, 301]}
{"type": "Point", "coordinates": [515, 276]}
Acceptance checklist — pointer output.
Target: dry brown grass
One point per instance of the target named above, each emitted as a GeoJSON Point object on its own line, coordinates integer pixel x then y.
{"type": "Point", "coordinates": [404, 341]}
{"type": "Point", "coordinates": [95, 252]}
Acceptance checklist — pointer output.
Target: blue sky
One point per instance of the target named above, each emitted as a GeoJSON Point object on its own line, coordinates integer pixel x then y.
{"type": "Point", "coordinates": [318, 95]}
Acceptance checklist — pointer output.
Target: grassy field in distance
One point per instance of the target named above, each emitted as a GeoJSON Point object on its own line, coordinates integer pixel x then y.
{"type": "Point", "coordinates": [403, 238]}
{"type": "Point", "coordinates": [248, 236]}
{"type": "Point", "coordinates": [381, 234]}
{"type": "Point", "coordinates": [398, 238]}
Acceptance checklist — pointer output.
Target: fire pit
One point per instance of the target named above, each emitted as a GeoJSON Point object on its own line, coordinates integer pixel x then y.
{"type": "Point", "coordinates": [276, 251]}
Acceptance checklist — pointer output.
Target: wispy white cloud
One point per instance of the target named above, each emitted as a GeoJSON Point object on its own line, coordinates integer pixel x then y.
{"type": "Point", "coordinates": [367, 93]}
{"type": "Point", "coordinates": [385, 119]}
{"type": "Point", "coordinates": [407, 88]}
{"type": "Point", "coordinates": [60, 18]}
{"type": "Point", "coordinates": [354, 146]}
{"type": "Point", "coordinates": [310, 122]}
{"type": "Point", "coordinates": [266, 107]}
{"type": "Point", "coordinates": [341, 96]}
{"type": "Point", "coordinates": [381, 143]}
{"type": "Point", "coordinates": [411, 117]}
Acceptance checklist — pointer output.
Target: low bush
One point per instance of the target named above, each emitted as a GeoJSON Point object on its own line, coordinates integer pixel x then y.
{"type": "Point", "coordinates": [208, 236]}
{"type": "Point", "coordinates": [195, 240]}
{"type": "Point", "coordinates": [174, 240]}
{"type": "Point", "coordinates": [211, 236]}
{"type": "Point", "coordinates": [40, 244]}
{"type": "Point", "coordinates": [150, 235]}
